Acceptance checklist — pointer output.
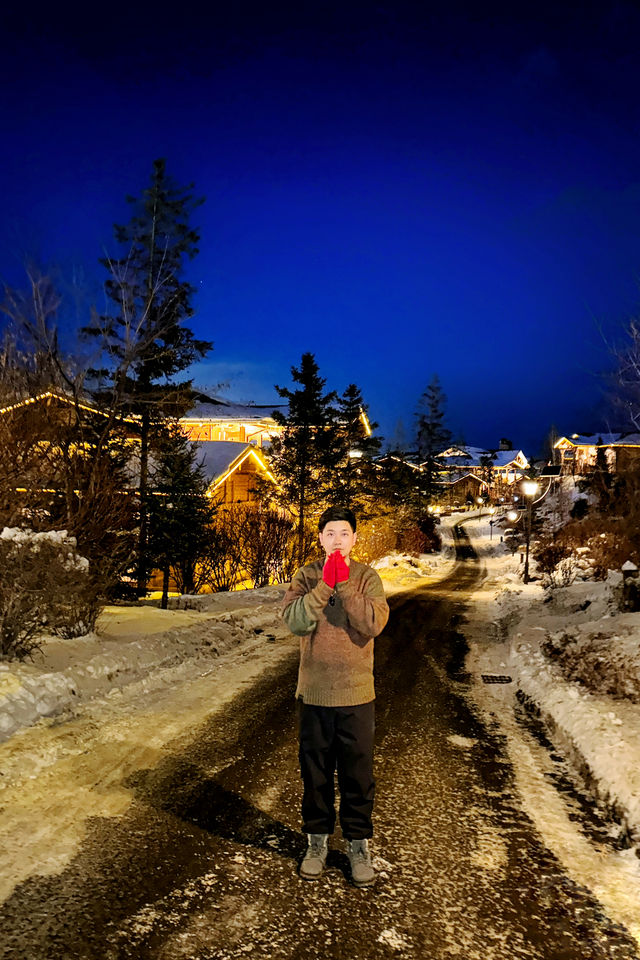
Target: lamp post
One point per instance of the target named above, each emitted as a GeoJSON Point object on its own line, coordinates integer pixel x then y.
{"type": "Point", "coordinates": [492, 511]}
{"type": "Point", "coordinates": [480, 502]}
{"type": "Point", "coordinates": [529, 488]}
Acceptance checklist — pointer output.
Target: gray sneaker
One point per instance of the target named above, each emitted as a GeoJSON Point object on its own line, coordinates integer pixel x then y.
{"type": "Point", "coordinates": [362, 872]}
{"type": "Point", "coordinates": [316, 856]}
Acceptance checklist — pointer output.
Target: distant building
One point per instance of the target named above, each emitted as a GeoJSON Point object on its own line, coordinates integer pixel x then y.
{"type": "Point", "coordinates": [501, 467]}
{"type": "Point", "coordinates": [213, 419]}
{"type": "Point", "coordinates": [231, 469]}
{"type": "Point", "coordinates": [579, 452]}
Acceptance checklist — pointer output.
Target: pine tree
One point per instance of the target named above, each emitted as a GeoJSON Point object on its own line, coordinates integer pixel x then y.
{"type": "Point", "coordinates": [354, 481]}
{"type": "Point", "coordinates": [180, 512]}
{"type": "Point", "coordinates": [398, 443]}
{"type": "Point", "coordinates": [307, 451]}
{"type": "Point", "coordinates": [432, 436]}
{"type": "Point", "coordinates": [145, 338]}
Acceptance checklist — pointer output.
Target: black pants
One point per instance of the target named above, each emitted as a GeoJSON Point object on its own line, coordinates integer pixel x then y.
{"type": "Point", "coordinates": [339, 737]}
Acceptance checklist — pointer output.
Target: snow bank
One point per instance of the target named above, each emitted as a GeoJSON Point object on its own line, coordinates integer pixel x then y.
{"type": "Point", "coordinates": [575, 659]}
{"type": "Point", "coordinates": [131, 643]}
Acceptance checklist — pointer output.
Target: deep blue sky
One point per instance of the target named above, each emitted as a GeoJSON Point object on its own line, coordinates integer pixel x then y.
{"type": "Point", "coordinates": [403, 189]}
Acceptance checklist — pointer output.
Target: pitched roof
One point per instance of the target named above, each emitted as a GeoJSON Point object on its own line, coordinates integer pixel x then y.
{"type": "Point", "coordinates": [591, 439]}
{"type": "Point", "coordinates": [215, 408]}
{"type": "Point", "coordinates": [502, 458]}
{"type": "Point", "coordinates": [216, 456]}
{"type": "Point", "coordinates": [627, 440]}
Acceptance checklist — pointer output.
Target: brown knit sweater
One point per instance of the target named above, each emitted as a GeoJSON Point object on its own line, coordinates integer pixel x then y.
{"type": "Point", "coordinates": [336, 641]}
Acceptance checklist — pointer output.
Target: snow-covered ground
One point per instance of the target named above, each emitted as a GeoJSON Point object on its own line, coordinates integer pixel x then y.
{"type": "Point", "coordinates": [88, 712]}
{"type": "Point", "coordinates": [142, 644]}
{"type": "Point", "coordinates": [134, 644]}
{"type": "Point", "coordinates": [513, 630]}
{"type": "Point", "coordinates": [400, 571]}
{"type": "Point", "coordinates": [215, 645]}
{"type": "Point", "coordinates": [575, 657]}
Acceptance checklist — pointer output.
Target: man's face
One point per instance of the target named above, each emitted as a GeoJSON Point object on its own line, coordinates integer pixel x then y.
{"type": "Point", "coordinates": [338, 535]}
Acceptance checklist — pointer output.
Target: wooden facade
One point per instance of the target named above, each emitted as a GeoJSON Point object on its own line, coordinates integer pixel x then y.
{"type": "Point", "coordinates": [579, 452]}
{"type": "Point", "coordinates": [235, 484]}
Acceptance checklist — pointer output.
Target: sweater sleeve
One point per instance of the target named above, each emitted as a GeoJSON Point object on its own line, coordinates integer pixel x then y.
{"type": "Point", "coordinates": [301, 607]}
{"type": "Point", "coordinates": [367, 611]}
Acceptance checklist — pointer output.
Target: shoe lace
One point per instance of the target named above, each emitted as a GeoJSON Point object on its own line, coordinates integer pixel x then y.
{"type": "Point", "coordinates": [317, 844]}
{"type": "Point", "coordinates": [359, 851]}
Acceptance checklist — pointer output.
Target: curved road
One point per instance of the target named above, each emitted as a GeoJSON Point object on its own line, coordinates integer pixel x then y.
{"type": "Point", "coordinates": [203, 864]}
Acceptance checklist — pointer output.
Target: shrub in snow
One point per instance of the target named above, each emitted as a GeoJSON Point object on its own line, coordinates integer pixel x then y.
{"type": "Point", "coordinates": [45, 585]}
{"type": "Point", "coordinates": [376, 539]}
{"type": "Point", "coordinates": [549, 554]}
{"type": "Point", "coordinates": [603, 664]}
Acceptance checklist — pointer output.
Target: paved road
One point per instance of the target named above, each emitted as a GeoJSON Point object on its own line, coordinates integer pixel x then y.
{"type": "Point", "coordinates": [203, 865]}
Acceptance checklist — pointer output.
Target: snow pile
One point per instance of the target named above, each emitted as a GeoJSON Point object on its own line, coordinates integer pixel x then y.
{"type": "Point", "coordinates": [602, 663]}
{"type": "Point", "coordinates": [576, 659]}
{"type": "Point", "coordinates": [130, 644]}
{"type": "Point", "coordinates": [602, 733]}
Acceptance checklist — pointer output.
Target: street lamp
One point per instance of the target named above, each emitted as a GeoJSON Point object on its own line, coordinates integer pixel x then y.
{"type": "Point", "coordinates": [529, 488]}
{"type": "Point", "coordinates": [492, 511]}
{"type": "Point", "coordinates": [480, 502]}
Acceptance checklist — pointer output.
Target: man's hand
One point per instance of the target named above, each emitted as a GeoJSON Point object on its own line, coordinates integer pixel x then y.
{"type": "Point", "coordinates": [329, 573]}
{"type": "Point", "coordinates": [342, 570]}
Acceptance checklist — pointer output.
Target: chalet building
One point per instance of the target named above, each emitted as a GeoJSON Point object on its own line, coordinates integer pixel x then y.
{"type": "Point", "coordinates": [231, 469]}
{"type": "Point", "coordinates": [212, 419]}
{"type": "Point", "coordinates": [56, 411]}
{"type": "Point", "coordinates": [506, 465]}
{"type": "Point", "coordinates": [464, 490]}
{"type": "Point", "coordinates": [579, 452]}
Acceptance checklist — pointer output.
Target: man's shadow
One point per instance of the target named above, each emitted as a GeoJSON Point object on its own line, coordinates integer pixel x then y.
{"type": "Point", "coordinates": [187, 793]}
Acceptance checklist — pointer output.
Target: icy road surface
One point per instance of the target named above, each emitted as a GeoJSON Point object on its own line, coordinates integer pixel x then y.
{"type": "Point", "coordinates": [168, 827]}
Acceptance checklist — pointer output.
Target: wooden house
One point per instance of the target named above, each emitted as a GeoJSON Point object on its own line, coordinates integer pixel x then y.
{"type": "Point", "coordinates": [507, 466]}
{"type": "Point", "coordinates": [231, 469]}
{"type": "Point", "coordinates": [579, 452]}
{"type": "Point", "coordinates": [213, 419]}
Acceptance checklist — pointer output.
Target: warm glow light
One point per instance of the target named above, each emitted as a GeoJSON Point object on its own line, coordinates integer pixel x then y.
{"type": "Point", "coordinates": [355, 454]}
{"type": "Point", "coordinates": [530, 488]}
{"type": "Point", "coordinates": [512, 515]}
{"type": "Point", "coordinates": [365, 423]}
{"type": "Point", "coordinates": [232, 469]}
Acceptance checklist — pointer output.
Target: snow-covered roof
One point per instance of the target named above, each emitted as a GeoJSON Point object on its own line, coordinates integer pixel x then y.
{"type": "Point", "coordinates": [458, 452]}
{"type": "Point", "coordinates": [466, 476]}
{"type": "Point", "coordinates": [627, 440]}
{"type": "Point", "coordinates": [474, 456]}
{"type": "Point", "coordinates": [215, 408]}
{"type": "Point", "coordinates": [216, 456]}
{"type": "Point", "coordinates": [590, 439]}
{"type": "Point", "coordinates": [502, 458]}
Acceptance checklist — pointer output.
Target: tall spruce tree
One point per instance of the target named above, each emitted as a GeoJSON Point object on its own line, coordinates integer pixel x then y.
{"type": "Point", "coordinates": [432, 437]}
{"type": "Point", "coordinates": [354, 480]}
{"type": "Point", "coordinates": [307, 450]}
{"type": "Point", "coordinates": [145, 338]}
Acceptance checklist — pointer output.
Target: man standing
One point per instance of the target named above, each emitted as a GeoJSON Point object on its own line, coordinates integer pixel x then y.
{"type": "Point", "coordinates": [336, 606]}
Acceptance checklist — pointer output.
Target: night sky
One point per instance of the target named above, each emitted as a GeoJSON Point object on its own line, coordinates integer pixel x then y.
{"type": "Point", "coordinates": [403, 189]}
